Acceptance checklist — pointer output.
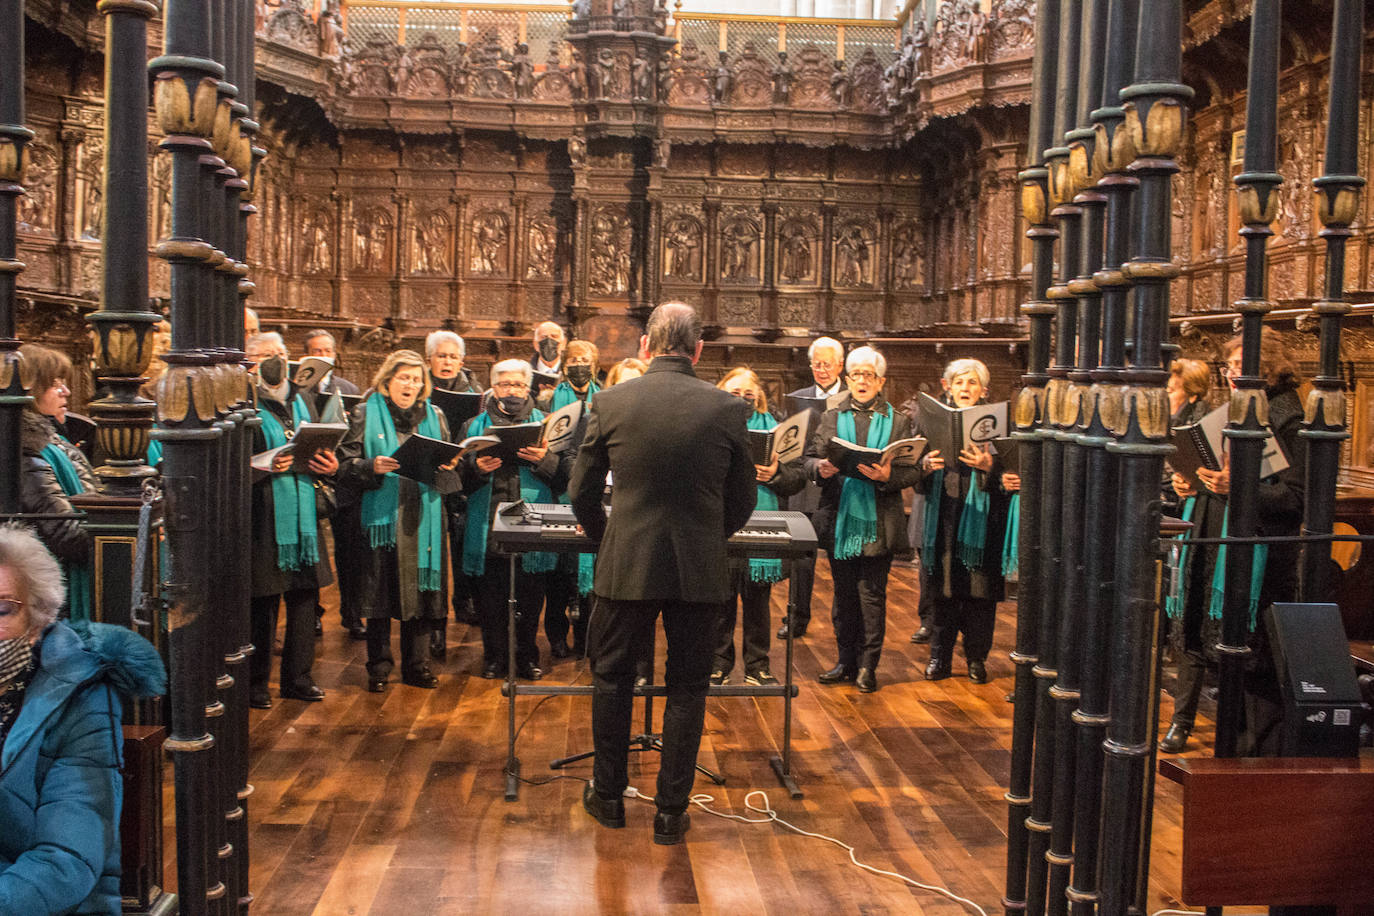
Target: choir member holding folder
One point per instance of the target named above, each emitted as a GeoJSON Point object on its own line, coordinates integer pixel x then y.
{"type": "Point", "coordinates": [403, 564]}
{"type": "Point", "coordinates": [965, 524]}
{"type": "Point", "coordinates": [752, 580]}
{"type": "Point", "coordinates": [454, 386]}
{"type": "Point", "coordinates": [289, 560]}
{"type": "Point", "coordinates": [860, 519]}
{"type": "Point", "coordinates": [533, 473]}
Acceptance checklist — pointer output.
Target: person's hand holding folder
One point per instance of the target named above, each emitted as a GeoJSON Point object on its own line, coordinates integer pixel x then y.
{"type": "Point", "coordinates": [878, 473]}
{"type": "Point", "coordinates": [1219, 482]}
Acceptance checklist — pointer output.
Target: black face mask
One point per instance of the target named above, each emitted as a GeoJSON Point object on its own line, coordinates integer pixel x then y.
{"type": "Point", "coordinates": [548, 350]}
{"type": "Point", "coordinates": [579, 376]}
{"type": "Point", "coordinates": [272, 370]}
{"type": "Point", "coordinates": [510, 404]}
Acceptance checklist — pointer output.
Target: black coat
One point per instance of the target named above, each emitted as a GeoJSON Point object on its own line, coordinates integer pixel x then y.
{"type": "Point", "coordinates": [505, 480]}
{"type": "Point", "coordinates": [1190, 631]}
{"type": "Point", "coordinates": [809, 497]}
{"type": "Point", "coordinates": [387, 585]}
{"type": "Point", "coordinates": [891, 514]}
{"type": "Point", "coordinates": [268, 578]}
{"type": "Point", "coordinates": [40, 494]}
{"type": "Point", "coordinates": [678, 449]}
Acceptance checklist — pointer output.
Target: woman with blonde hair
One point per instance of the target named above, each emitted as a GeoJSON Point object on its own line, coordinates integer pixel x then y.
{"type": "Point", "coordinates": [626, 369]}
{"type": "Point", "coordinates": [753, 579]}
{"type": "Point", "coordinates": [403, 570]}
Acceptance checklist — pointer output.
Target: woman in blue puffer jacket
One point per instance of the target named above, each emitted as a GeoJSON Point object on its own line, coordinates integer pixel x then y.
{"type": "Point", "coordinates": [61, 741]}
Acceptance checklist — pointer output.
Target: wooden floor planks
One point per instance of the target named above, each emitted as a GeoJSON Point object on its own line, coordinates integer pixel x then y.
{"type": "Point", "coordinates": [392, 804]}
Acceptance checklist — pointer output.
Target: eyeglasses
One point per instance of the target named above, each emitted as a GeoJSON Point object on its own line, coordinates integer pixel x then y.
{"type": "Point", "coordinates": [824, 364]}
{"type": "Point", "coordinates": [1231, 369]}
{"type": "Point", "coordinates": [863, 376]}
{"type": "Point", "coordinates": [510, 386]}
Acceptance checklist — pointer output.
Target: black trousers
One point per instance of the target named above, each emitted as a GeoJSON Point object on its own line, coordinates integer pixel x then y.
{"type": "Point", "coordinates": [298, 648]}
{"type": "Point", "coordinates": [974, 617]}
{"type": "Point", "coordinates": [461, 588]}
{"type": "Point", "coordinates": [859, 612]}
{"type": "Point", "coordinates": [414, 646]}
{"type": "Point", "coordinates": [350, 546]}
{"type": "Point", "coordinates": [1188, 689]}
{"type": "Point", "coordinates": [925, 600]}
{"type": "Point", "coordinates": [493, 590]}
{"type": "Point", "coordinates": [560, 596]}
{"type": "Point", "coordinates": [618, 634]}
{"type": "Point", "coordinates": [752, 599]}
{"type": "Point", "coordinates": [803, 582]}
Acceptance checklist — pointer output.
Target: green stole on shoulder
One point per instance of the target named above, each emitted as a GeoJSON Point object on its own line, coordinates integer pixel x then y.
{"type": "Point", "coordinates": [766, 571]}
{"type": "Point", "coordinates": [293, 498]}
{"type": "Point", "coordinates": [380, 506]}
{"type": "Point", "coordinates": [80, 592]}
{"type": "Point", "coordinates": [532, 490]}
{"type": "Point", "coordinates": [857, 521]}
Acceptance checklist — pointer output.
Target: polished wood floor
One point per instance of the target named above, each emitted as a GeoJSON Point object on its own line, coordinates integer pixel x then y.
{"type": "Point", "coordinates": [393, 803]}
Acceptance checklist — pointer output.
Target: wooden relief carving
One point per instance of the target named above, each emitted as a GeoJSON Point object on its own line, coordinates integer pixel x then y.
{"type": "Point", "coordinates": [739, 311]}
{"type": "Point", "coordinates": [316, 238]}
{"type": "Point", "coordinates": [372, 240]}
{"type": "Point", "coordinates": [425, 68]}
{"type": "Point", "coordinates": [752, 78]}
{"type": "Point", "coordinates": [908, 262]}
{"type": "Point", "coordinates": [609, 272]}
{"type": "Point", "coordinates": [682, 248]}
{"type": "Point", "coordinates": [92, 190]}
{"type": "Point", "coordinates": [690, 83]}
{"type": "Point", "coordinates": [811, 80]}
{"type": "Point", "coordinates": [490, 77]}
{"type": "Point", "coordinates": [38, 205]}
{"type": "Point", "coordinates": [797, 312]}
{"type": "Point", "coordinates": [490, 233]}
{"type": "Point", "coordinates": [798, 240]}
{"type": "Point", "coordinates": [1013, 28]}
{"type": "Point", "coordinates": [540, 246]}
{"type": "Point", "coordinates": [291, 26]}
{"type": "Point", "coordinates": [854, 255]}
{"type": "Point", "coordinates": [431, 243]}
{"type": "Point", "coordinates": [866, 84]}
{"type": "Point", "coordinates": [739, 250]}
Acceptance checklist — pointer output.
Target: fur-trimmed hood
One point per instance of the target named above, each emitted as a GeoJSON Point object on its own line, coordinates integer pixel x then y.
{"type": "Point", "coordinates": [36, 432]}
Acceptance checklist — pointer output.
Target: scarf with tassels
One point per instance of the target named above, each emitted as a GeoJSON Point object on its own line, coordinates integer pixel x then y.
{"type": "Point", "coordinates": [932, 528]}
{"type": "Point", "coordinates": [857, 521]}
{"type": "Point", "coordinates": [80, 591]}
{"type": "Point", "coordinates": [1257, 565]}
{"type": "Point", "coordinates": [293, 498]}
{"type": "Point", "coordinates": [765, 571]}
{"type": "Point", "coordinates": [972, 535]}
{"type": "Point", "coordinates": [381, 505]}
{"type": "Point", "coordinates": [1176, 600]}
{"type": "Point", "coordinates": [532, 490]}
{"type": "Point", "coordinates": [1011, 552]}
{"type": "Point", "coordinates": [565, 394]}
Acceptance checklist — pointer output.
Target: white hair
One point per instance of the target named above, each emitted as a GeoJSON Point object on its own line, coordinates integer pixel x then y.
{"type": "Point", "coordinates": [264, 339]}
{"type": "Point", "coordinates": [437, 337]}
{"type": "Point", "coordinates": [824, 343]}
{"type": "Point", "coordinates": [963, 366]}
{"type": "Point", "coordinates": [866, 356]}
{"type": "Point", "coordinates": [549, 326]}
{"type": "Point", "coordinates": [22, 552]}
{"type": "Point", "coordinates": [513, 365]}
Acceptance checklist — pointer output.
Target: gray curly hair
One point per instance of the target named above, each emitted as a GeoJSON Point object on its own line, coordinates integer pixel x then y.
{"type": "Point", "coordinates": [23, 552]}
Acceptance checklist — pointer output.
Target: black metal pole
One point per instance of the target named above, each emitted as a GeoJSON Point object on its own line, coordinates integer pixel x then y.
{"type": "Point", "coordinates": [1029, 415]}
{"type": "Point", "coordinates": [1100, 526]}
{"type": "Point", "coordinates": [14, 138]}
{"type": "Point", "coordinates": [189, 401]}
{"type": "Point", "coordinates": [1258, 198]}
{"type": "Point", "coordinates": [1155, 117]}
{"type": "Point", "coordinates": [1338, 193]}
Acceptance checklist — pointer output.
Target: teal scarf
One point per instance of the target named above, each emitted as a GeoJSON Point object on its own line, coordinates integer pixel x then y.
{"type": "Point", "coordinates": [857, 522]}
{"type": "Point", "coordinates": [381, 505]}
{"type": "Point", "coordinates": [767, 571]}
{"type": "Point", "coordinates": [565, 394]}
{"type": "Point", "coordinates": [293, 498]}
{"type": "Point", "coordinates": [1257, 564]}
{"type": "Point", "coordinates": [154, 453]}
{"type": "Point", "coordinates": [532, 490]}
{"type": "Point", "coordinates": [1011, 553]}
{"type": "Point", "coordinates": [973, 525]}
{"type": "Point", "coordinates": [80, 593]}
{"type": "Point", "coordinates": [932, 529]}
{"type": "Point", "coordinates": [1177, 598]}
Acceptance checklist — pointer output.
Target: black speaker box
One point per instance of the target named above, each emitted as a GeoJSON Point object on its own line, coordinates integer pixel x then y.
{"type": "Point", "coordinates": [1322, 705]}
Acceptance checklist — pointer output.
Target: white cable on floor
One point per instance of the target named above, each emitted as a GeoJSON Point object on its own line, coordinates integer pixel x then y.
{"type": "Point", "coordinates": [771, 816]}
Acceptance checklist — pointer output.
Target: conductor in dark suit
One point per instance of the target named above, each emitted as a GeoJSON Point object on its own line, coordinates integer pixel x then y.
{"type": "Point", "coordinates": [684, 482]}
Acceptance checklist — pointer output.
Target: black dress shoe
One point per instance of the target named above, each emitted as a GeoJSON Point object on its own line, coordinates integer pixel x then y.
{"type": "Point", "coordinates": [311, 694]}
{"type": "Point", "coordinates": [319, 627]}
{"type": "Point", "coordinates": [464, 612]}
{"type": "Point", "coordinates": [559, 649]}
{"type": "Point", "coordinates": [937, 670]}
{"type": "Point", "coordinates": [977, 672]}
{"type": "Point", "coordinates": [866, 680]}
{"type": "Point", "coordinates": [609, 812]}
{"type": "Point", "coordinates": [670, 828]}
{"type": "Point", "coordinates": [921, 636]}
{"type": "Point", "coordinates": [357, 631]}
{"type": "Point", "coordinates": [529, 672]}
{"type": "Point", "coordinates": [376, 684]}
{"type": "Point", "coordinates": [493, 671]}
{"type": "Point", "coordinates": [260, 700]}
{"type": "Point", "coordinates": [837, 675]}
{"type": "Point", "coordinates": [798, 633]}
{"type": "Point", "coordinates": [424, 679]}
{"type": "Point", "coordinates": [1175, 739]}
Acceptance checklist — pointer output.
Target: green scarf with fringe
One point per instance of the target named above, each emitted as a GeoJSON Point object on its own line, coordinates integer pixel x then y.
{"type": "Point", "coordinates": [293, 498]}
{"type": "Point", "coordinates": [532, 490]}
{"type": "Point", "coordinates": [765, 571]}
{"type": "Point", "coordinates": [1011, 548]}
{"type": "Point", "coordinates": [1257, 565]}
{"type": "Point", "coordinates": [857, 521]}
{"type": "Point", "coordinates": [80, 588]}
{"type": "Point", "coordinates": [381, 505]}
